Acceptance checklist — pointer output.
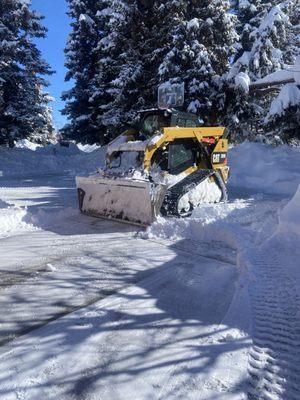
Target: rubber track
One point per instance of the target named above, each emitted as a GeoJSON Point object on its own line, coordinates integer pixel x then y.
{"type": "Point", "coordinates": [174, 193]}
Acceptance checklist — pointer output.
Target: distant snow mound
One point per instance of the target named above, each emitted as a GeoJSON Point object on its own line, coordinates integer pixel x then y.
{"type": "Point", "coordinates": [26, 144]}
{"type": "Point", "coordinates": [52, 159]}
{"type": "Point", "coordinates": [88, 148]}
{"type": "Point", "coordinates": [57, 149]}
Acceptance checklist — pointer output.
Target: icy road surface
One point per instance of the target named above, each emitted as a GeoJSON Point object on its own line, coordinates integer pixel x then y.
{"type": "Point", "coordinates": [204, 308]}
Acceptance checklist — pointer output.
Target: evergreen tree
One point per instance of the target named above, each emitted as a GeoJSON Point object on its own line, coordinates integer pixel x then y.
{"type": "Point", "coordinates": [132, 46]}
{"type": "Point", "coordinates": [129, 60]}
{"type": "Point", "coordinates": [24, 109]}
{"type": "Point", "coordinates": [112, 65]}
{"type": "Point", "coordinates": [81, 62]}
{"type": "Point", "coordinates": [202, 42]}
{"type": "Point", "coordinates": [283, 117]}
{"type": "Point", "coordinates": [120, 68]}
{"type": "Point", "coordinates": [266, 44]}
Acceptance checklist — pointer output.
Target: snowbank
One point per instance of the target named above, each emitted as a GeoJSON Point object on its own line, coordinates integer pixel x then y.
{"type": "Point", "coordinates": [44, 218]}
{"type": "Point", "coordinates": [265, 169]}
{"type": "Point", "coordinates": [289, 217]}
{"type": "Point", "coordinates": [88, 148]}
{"type": "Point", "coordinates": [207, 223]}
{"type": "Point", "coordinates": [52, 159]}
{"type": "Point", "coordinates": [13, 220]}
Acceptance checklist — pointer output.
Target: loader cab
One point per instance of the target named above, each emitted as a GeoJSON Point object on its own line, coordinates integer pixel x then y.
{"type": "Point", "coordinates": [178, 156]}
{"type": "Point", "coordinates": [152, 121]}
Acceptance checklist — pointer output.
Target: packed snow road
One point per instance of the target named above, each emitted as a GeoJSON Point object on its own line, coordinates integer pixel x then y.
{"type": "Point", "coordinates": [153, 302]}
{"type": "Point", "coordinates": [202, 308]}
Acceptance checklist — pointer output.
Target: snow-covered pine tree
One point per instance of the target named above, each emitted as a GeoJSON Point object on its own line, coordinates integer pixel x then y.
{"type": "Point", "coordinates": [118, 66]}
{"type": "Point", "coordinates": [202, 39]}
{"type": "Point", "coordinates": [24, 109]}
{"type": "Point", "coordinates": [262, 28]}
{"type": "Point", "coordinates": [283, 118]}
{"type": "Point", "coordinates": [129, 58]}
{"type": "Point", "coordinates": [129, 46]}
{"type": "Point", "coordinates": [266, 45]}
{"type": "Point", "coordinates": [81, 61]}
{"type": "Point", "coordinates": [107, 56]}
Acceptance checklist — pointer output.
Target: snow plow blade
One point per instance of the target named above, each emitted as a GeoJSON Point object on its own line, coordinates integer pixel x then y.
{"type": "Point", "coordinates": [126, 200]}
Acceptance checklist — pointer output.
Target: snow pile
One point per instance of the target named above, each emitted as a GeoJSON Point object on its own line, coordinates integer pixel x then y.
{"type": "Point", "coordinates": [52, 159]}
{"type": "Point", "coordinates": [88, 148]}
{"type": "Point", "coordinates": [289, 217]}
{"type": "Point", "coordinates": [13, 220]}
{"type": "Point", "coordinates": [265, 169]}
{"type": "Point", "coordinates": [3, 204]}
{"type": "Point", "coordinates": [57, 149]}
{"type": "Point", "coordinates": [207, 223]}
{"type": "Point", "coordinates": [193, 24]}
{"type": "Point", "coordinates": [44, 218]}
{"type": "Point", "coordinates": [26, 144]}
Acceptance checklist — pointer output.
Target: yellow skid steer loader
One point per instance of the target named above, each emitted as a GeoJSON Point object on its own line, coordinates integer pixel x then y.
{"type": "Point", "coordinates": [170, 165]}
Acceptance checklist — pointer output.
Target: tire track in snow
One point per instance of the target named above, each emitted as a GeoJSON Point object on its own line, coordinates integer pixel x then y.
{"type": "Point", "coordinates": [274, 360]}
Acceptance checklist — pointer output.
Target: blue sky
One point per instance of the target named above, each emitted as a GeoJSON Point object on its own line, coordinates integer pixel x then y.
{"type": "Point", "coordinates": [52, 48]}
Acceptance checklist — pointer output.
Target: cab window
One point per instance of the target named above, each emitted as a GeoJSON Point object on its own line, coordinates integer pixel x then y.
{"type": "Point", "coordinates": [182, 156]}
{"type": "Point", "coordinates": [153, 123]}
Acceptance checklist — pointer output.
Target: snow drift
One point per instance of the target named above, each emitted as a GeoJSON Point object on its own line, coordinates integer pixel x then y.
{"type": "Point", "coordinates": [289, 217]}
{"type": "Point", "coordinates": [27, 160]}
{"type": "Point", "coordinates": [13, 220]}
{"type": "Point", "coordinates": [265, 169]}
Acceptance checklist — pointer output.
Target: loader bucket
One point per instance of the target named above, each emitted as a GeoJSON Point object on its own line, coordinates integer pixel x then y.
{"type": "Point", "coordinates": [127, 200]}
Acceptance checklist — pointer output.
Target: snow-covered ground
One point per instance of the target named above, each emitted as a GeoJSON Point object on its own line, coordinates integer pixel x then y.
{"type": "Point", "coordinates": [202, 308]}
